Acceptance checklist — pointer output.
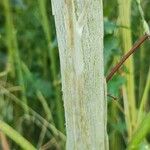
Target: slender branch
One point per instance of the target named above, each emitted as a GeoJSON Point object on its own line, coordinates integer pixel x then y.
{"type": "Point", "coordinates": [111, 96]}
{"type": "Point", "coordinates": [127, 55]}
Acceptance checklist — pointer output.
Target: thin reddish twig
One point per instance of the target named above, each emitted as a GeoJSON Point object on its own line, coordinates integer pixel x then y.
{"type": "Point", "coordinates": [127, 55]}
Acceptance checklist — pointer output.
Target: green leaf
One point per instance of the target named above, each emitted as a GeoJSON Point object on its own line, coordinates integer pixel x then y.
{"type": "Point", "coordinates": [109, 27]}
{"type": "Point", "coordinates": [115, 84]}
{"type": "Point", "coordinates": [111, 45]}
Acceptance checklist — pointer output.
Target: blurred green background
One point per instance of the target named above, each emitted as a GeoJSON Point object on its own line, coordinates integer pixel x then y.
{"type": "Point", "coordinates": [30, 86]}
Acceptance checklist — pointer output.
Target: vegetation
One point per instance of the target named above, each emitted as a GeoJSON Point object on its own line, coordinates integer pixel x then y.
{"type": "Point", "coordinates": [31, 106]}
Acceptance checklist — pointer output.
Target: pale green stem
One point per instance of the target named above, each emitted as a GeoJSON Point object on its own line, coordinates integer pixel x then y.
{"type": "Point", "coordinates": [144, 98]}
{"type": "Point", "coordinates": [15, 136]}
{"type": "Point", "coordinates": [45, 106]}
{"type": "Point", "coordinates": [145, 29]}
{"type": "Point", "coordinates": [124, 20]}
{"type": "Point", "coordinates": [9, 37]}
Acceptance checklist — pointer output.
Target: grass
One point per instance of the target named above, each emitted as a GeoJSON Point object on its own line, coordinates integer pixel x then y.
{"type": "Point", "coordinates": [15, 136]}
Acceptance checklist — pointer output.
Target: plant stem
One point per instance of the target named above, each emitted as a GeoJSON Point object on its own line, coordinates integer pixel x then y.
{"type": "Point", "coordinates": [126, 39]}
{"type": "Point", "coordinates": [13, 50]}
{"type": "Point", "coordinates": [15, 136]}
{"type": "Point", "coordinates": [53, 67]}
{"type": "Point", "coordinates": [127, 55]}
{"type": "Point", "coordinates": [144, 98]}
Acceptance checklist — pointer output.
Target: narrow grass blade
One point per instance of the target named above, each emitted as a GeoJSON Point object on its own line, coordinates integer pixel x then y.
{"type": "Point", "coordinates": [15, 136]}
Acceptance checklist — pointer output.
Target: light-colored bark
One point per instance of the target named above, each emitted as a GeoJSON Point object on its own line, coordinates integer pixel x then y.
{"type": "Point", "coordinates": [79, 25]}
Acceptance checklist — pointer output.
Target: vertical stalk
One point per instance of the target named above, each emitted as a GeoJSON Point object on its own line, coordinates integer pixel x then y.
{"type": "Point", "coordinates": [13, 51]}
{"type": "Point", "coordinates": [79, 25]}
{"type": "Point", "coordinates": [53, 67]}
{"type": "Point", "coordinates": [9, 37]}
{"type": "Point", "coordinates": [125, 33]}
{"type": "Point", "coordinates": [144, 29]}
{"type": "Point", "coordinates": [144, 98]}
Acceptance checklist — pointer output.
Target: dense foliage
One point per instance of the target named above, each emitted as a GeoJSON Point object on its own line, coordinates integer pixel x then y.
{"type": "Point", "coordinates": [30, 86]}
